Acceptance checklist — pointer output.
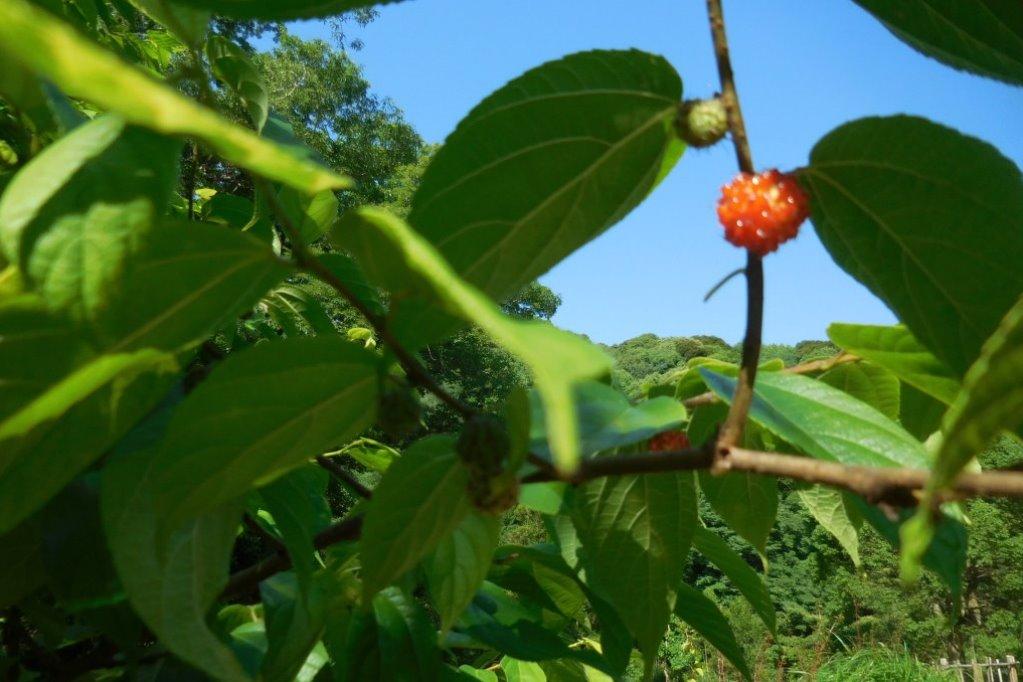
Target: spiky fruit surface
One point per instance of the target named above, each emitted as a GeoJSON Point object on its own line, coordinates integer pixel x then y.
{"type": "Point", "coordinates": [668, 441]}
{"type": "Point", "coordinates": [759, 212]}
{"type": "Point", "coordinates": [702, 122]}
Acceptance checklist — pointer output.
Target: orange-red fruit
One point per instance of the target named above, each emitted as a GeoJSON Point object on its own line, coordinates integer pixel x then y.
{"type": "Point", "coordinates": [668, 441]}
{"type": "Point", "coordinates": [759, 212]}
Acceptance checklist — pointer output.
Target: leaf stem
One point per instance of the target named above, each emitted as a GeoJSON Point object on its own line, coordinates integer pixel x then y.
{"type": "Point", "coordinates": [345, 476]}
{"type": "Point", "coordinates": [731, 431]}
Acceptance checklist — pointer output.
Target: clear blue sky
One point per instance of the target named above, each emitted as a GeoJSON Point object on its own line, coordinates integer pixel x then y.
{"type": "Point", "coordinates": [803, 68]}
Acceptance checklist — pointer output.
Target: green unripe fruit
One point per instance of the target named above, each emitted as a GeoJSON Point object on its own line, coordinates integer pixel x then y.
{"type": "Point", "coordinates": [399, 410]}
{"type": "Point", "coordinates": [702, 122]}
{"type": "Point", "coordinates": [484, 445]}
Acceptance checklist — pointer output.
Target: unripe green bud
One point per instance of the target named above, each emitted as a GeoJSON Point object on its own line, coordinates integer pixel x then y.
{"type": "Point", "coordinates": [484, 444]}
{"type": "Point", "coordinates": [702, 122]}
{"type": "Point", "coordinates": [399, 410]}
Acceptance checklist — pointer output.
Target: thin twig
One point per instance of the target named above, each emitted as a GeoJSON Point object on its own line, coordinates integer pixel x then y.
{"type": "Point", "coordinates": [345, 476]}
{"type": "Point", "coordinates": [731, 431]}
{"type": "Point", "coordinates": [722, 282]}
{"type": "Point", "coordinates": [308, 262]}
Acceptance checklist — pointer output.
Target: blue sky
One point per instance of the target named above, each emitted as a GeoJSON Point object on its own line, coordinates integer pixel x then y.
{"type": "Point", "coordinates": [803, 68]}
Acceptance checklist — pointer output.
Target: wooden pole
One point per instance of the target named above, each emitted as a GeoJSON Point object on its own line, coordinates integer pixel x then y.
{"type": "Point", "coordinates": [1013, 674]}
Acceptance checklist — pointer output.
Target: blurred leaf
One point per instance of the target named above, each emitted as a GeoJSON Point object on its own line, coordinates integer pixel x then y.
{"type": "Point", "coordinates": [895, 349]}
{"type": "Point", "coordinates": [398, 258]}
{"type": "Point", "coordinates": [22, 571]}
{"type": "Point", "coordinates": [981, 36]}
{"type": "Point", "coordinates": [419, 502]}
{"type": "Point", "coordinates": [522, 671]}
{"type": "Point", "coordinates": [991, 401]}
{"type": "Point", "coordinates": [919, 413]}
{"type": "Point", "coordinates": [703, 615]}
{"type": "Point", "coordinates": [281, 11]}
{"type": "Point", "coordinates": [351, 275]}
{"type": "Point", "coordinates": [540, 167]}
{"type": "Point", "coordinates": [313, 216]}
{"type": "Point", "coordinates": [635, 533]}
{"type": "Point", "coordinates": [741, 575]}
{"type": "Point", "coordinates": [83, 69]}
{"type": "Point", "coordinates": [188, 24]}
{"type": "Point", "coordinates": [928, 220]}
{"type": "Point", "coordinates": [295, 619]}
{"type": "Point", "coordinates": [458, 564]}
{"type": "Point", "coordinates": [872, 384]}
{"type": "Point", "coordinates": [261, 412]}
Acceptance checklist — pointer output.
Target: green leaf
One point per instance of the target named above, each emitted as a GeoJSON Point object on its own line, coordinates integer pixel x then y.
{"type": "Point", "coordinates": [466, 672]}
{"type": "Point", "coordinates": [295, 620]}
{"type": "Point", "coordinates": [872, 384]}
{"type": "Point", "coordinates": [542, 166]}
{"type": "Point", "coordinates": [984, 36]}
{"type": "Point", "coordinates": [171, 582]}
{"type": "Point", "coordinates": [539, 574]}
{"type": "Point", "coordinates": [458, 565]}
{"type": "Point", "coordinates": [919, 413]}
{"type": "Point", "coordinates": [895, 349]}
{"type": "Point", "coordinates": [313, 216]}
{"type": "Point", "coordinates": [395, 640]}
{"type": "Point", "coordinates": [75, 214]}
{"type": "Point", "coordinates": [297, 501]}
{"type": "Point", "coordinates": [351, 275]}
{"type": "Point", "coordinates": [991, 401]}
{"type": "Point", "coordinates": [825, 422]}
{"type": "Point", "coordinates": [607, 419]}
{"type": "Point", "coordinates": [836, 516]}
{"type": "Point", "coordinates": [188, 24]}
{"type": "Point", "coordinates": [232, 66]}
{"type": "Point", "coordinates": [635, 533]}
{"type": "Point", "coordinates": [741, 575]}
{"type": "Point", "coordinates": [748, 503]}
{"type": "Point", "coordinates": [281, 11]}
{"type": "Point", "coordinates": [418, 503]}
{"type": "Point", "coordinates": [83, 69]}
{"type": "Point", "coordinates": [928, 220]}
{"type": "Point", "coordinates": [703, 615]}
{"type": "Point", "coordinates": [262, 412]}
{"type": "Point", "coordinates": [396, 256]}
{"type": "Point", "coordinates": [522, 671]}
{"type": "Point", "coordinates": [829, 424]}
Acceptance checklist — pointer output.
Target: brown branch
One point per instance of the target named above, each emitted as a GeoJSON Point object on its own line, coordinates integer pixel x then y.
{"type": "Point", "coordinates": [269, 538]}
{"type": "Point", "coordinates": [345, 476]}
{"type": "Point", "coordinates": [245, 581]}
{"type": "Point", "coordinates": [731, 430]}
{"type": "Point", "coordinates": [308, 262]}
{"type": "Point", "coordinates": [896, 486]}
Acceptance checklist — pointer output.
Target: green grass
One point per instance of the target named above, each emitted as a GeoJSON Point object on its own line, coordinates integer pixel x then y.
{"type": "Point", "coordinates": [879, 665]}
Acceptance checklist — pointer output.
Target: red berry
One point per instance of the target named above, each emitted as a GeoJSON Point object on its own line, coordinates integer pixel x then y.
{"type": "Point", "coordinates": [668, 441]}
{"type": "Point", "coordinates": [759, 212]}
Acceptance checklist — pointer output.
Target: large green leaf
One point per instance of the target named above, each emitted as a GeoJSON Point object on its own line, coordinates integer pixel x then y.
{"type": "Point", "coordinates": [279, 10]}
{"type": "Point", "coordinates": [400, 259]}
{"type": "Point", "coordinates": [735, 568]}
{"type": "Point", "coordinates": [419, 502]}
{"type": "Point", "coordinates": [829, 424]}
{"type": "Point", "coordinates": [458, 564]}
{"type": "Point", "coordinates": [982, 36]}
{"type": "Point", "coordinates": [929, 220]}
{"type": "Point", "coordinates": [607, 419]}
{"type": "Point", "coordinates": [81, 68]}
{"type": "Point", "coordinates": [635, 533]}
{"type": "Point", "coordinates": [298, 504]}
{"type": "Point", "coordinates": [872, 384]}
{"type": "Point", "coordinates": [542, 166]}
{"type": "Point", "coordinates": [77, 212]}
{"type": "Point", "coordinates": [188, 24]}
{"type": "Point", "coordinates": [186, 282]}
{"type": "Point", "coordinates": [295, 619]}
{"type": "Point", "coordinates": [703, 615]}
{"type": "Point", "coordinates": [895, 349]}
{"type": "Point", "coordinates": [172, 583]}
{"type": "Point", "coordinates": [260, 413]}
